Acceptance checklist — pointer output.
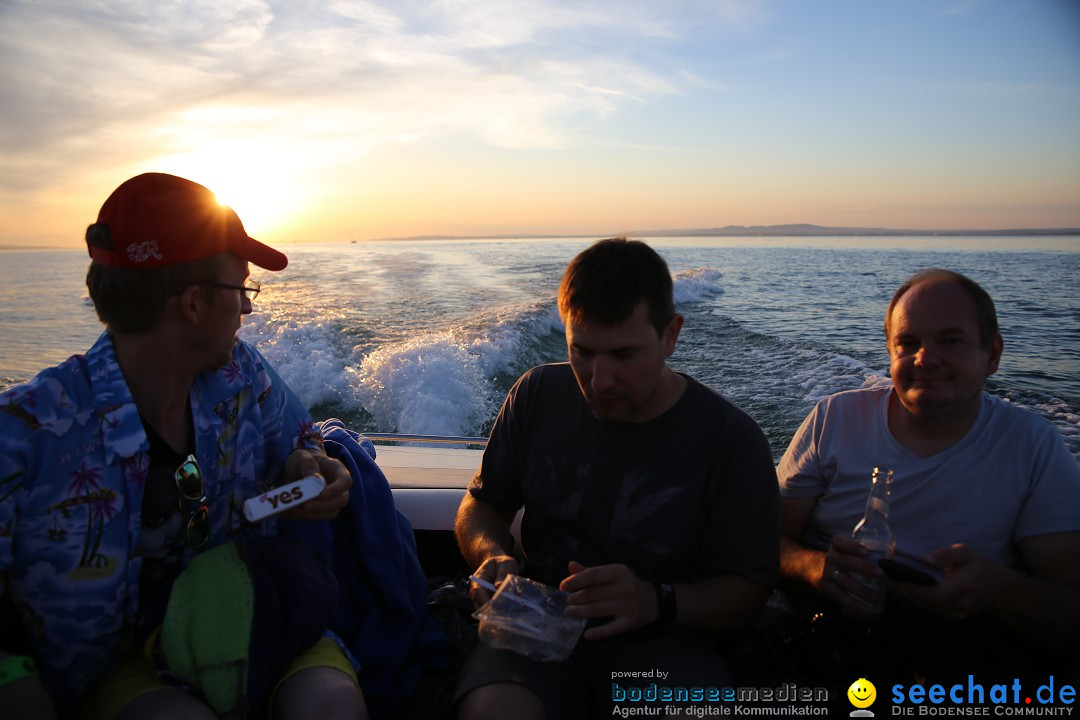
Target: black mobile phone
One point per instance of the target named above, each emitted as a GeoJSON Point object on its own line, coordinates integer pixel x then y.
{"type": "Point", "coordinates": [899, 571]}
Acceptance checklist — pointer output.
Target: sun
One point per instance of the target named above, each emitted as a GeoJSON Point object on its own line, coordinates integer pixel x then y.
{"type": "Point", "coordinates": [264, 196]}
{"type": "Point", "coordinates": [262, 203]}
{"type": "Point", "coordinates": [247, 166]}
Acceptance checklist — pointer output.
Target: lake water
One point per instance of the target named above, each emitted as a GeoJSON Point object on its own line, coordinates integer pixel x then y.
{"type": "Point", "coordinates": [427, 336]}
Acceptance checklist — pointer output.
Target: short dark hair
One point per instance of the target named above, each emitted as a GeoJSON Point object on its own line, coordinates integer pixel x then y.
{"type": "Point", "coordinates": [605, 283]}
{"type": "Point", "coordinates": [985, 313]}
{"type": "Point", "coordinates": [131, 300]}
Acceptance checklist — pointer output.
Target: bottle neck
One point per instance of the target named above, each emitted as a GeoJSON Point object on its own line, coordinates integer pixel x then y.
{"type": "Point", "coordinates": [878, 501]}
{"type": "Point", "coordinates": [877, 505]}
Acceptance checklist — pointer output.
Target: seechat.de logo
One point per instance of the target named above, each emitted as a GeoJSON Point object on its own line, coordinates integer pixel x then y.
{"type": "Point", "coordinates": [973, 698]}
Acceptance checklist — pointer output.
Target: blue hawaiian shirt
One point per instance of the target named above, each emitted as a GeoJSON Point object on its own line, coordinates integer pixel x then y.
{"type": "Point", "coordinates": [74, 459]}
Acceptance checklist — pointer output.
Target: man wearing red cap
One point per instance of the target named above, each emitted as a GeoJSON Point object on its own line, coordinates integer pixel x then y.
{"type": "Point", "coordinates": [119, 466]}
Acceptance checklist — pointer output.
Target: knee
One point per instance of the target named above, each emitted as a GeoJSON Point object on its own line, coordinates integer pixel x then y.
{"type": "Point", "coordinates": [164, 704]}
{"type": "Point", "coordinates": [489, 701]}
{"type": "Point", "coordinates": [319, 693]}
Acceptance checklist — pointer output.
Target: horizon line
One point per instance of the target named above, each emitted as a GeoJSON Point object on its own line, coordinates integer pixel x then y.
{"type": "Point", "coordinates": [781, 230]}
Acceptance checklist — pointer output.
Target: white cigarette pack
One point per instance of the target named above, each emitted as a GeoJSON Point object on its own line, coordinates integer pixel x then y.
{"type": "Point", "coordinates": [282, 498]}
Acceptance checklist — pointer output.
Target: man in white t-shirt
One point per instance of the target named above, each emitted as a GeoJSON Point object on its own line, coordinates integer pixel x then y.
{"type": "Point", "coordinates": [985, 495]}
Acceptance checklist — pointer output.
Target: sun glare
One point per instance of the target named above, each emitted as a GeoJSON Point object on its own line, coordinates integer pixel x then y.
{"type": "Point", "coordinates": [266, 198]}
{"type": "Point", "coordinates": [245, 167]}
{"type": "Point", "coordinates": [263, 203]}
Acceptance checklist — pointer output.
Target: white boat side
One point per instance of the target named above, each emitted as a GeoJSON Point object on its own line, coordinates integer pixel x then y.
{"type": "Point", "coordinates": [428, 474]}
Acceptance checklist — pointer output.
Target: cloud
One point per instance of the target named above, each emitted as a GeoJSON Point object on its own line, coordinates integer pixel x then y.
{"type": "Point", "coordinates": [73, 71]}
{"type": "Point", "coordinates": [94, 82]}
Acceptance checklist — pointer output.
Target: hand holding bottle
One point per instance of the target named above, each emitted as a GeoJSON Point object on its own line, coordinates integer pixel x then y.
{"type": "Point", "coordinates": [876, 537]}
{"type": "Point", "coordinates": [847, 564]}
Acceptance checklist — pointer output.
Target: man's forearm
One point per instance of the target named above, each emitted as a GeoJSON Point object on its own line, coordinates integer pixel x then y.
{"type": "Point", "coordinates": [482, 531]}
{"type": "Point", "coordinates": [478, 547]}
{"type": "Point", "coordinates": [718, 605]}
{"type": "Point", "coordinates": [800, 565]}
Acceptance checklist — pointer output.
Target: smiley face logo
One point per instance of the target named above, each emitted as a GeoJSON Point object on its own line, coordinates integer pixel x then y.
{"type": "Point", "coordinates": [862, 693]}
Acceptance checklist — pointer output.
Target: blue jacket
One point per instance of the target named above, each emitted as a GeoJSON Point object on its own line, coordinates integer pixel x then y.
{"type": "Point", "coordinates": [381, 610]}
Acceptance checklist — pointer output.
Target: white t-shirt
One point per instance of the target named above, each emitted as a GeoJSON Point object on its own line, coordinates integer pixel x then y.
{"type": "Point", "coordinates": [1010, 477]}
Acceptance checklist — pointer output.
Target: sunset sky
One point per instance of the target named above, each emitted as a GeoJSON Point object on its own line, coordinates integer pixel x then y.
{"type": "Point", "coordinates": [351, 119]}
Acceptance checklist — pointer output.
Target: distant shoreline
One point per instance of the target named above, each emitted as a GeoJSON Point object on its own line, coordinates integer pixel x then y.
{"type": "Point", "coordinates": [758, 231]}
{"type": "Point", "coordinates": [747, 231]}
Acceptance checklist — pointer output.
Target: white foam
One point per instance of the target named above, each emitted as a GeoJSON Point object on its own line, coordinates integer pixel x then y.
{"type": "Point", "coordinates": [836, 374]}
{"type": "Point", "coordinates": [305, 357]}
{"type": "Point", "coordinates": [697, 285]}
{"type": "Point", "coordinates": [1065, 420]}
{"type": "Point", "coordinates": [508, 345]}
{"type": "Point", "coordinates": [433, 384]}
{"type": "Point", "coordinates": [438, 382]}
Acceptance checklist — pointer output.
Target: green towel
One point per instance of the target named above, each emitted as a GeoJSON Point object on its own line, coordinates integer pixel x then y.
{"type": "Point", "coordinates": [207, 628]}
{"type": "Point", "coordinates": [239, 614]}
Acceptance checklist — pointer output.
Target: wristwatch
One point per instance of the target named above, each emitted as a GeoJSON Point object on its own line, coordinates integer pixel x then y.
{"type": "Point", "coordinates": [665, 601]}
{"type": "Point", "coordinates": [15, 668]}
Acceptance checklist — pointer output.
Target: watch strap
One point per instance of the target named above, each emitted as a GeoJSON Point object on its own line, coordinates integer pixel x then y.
{"type": "Point", "coordinates": [665, 602]}
{"type": "Point", "coordinates": [15, 668]}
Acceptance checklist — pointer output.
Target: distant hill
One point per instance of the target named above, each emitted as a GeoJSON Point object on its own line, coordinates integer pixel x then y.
{"type": "Point", "coordinates": [791, 230]}
{"type": "Point", "coordinates": [804, 229]}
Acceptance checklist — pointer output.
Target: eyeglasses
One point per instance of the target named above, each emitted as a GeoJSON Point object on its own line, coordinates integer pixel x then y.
{"type": "Point", "coordinates": [250, 288]}
{"type": "Point", "coordinates": [189, 482]}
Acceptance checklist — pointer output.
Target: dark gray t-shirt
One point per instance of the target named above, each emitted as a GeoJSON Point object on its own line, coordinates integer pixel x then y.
{"type": "Point", "coordinates": [688, 495]}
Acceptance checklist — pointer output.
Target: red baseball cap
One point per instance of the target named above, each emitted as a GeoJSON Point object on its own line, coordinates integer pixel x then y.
{"type": "Point", "coordinates": [156, 220]}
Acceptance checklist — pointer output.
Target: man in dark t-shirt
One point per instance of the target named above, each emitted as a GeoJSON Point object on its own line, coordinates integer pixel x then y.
{"type": "Point", "coordinates": [648, 497]}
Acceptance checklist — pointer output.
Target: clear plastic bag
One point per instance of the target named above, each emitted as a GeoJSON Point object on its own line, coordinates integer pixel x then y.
{"type": "Point", "coordinates": [528, 617]}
